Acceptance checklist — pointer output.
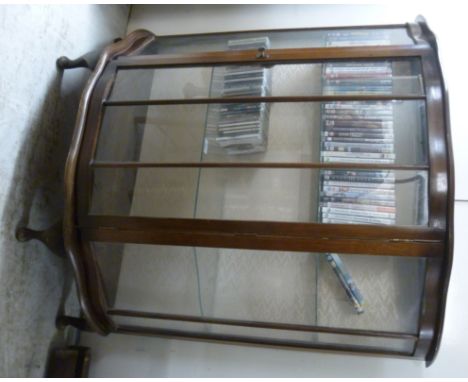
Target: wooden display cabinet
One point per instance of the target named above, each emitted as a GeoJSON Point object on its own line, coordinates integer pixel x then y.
{"type": "Point", "coordinates": [180, 223]}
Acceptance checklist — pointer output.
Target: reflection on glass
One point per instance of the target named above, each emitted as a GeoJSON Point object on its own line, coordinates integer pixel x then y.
{"type": "Point", "coordinates": [282, 40]}
{"type": "Point", "coordinates": [296, 132]}
{"type": "Point", "coordinates": [267, 194]}
{"type": "Point", "coordinates": [398, 76]}
{"type": "Point", "coordinates": [266, 286]}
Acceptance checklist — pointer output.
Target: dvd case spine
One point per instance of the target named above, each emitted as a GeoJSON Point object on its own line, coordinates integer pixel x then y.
{"type": "Point", "coordinates": [346, 281]}
{"type": "Point", "coordinates": [356, 132]}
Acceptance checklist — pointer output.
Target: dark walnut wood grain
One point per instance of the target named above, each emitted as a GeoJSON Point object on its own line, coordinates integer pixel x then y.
{"type": "Point", "coordinates": [84, 265]}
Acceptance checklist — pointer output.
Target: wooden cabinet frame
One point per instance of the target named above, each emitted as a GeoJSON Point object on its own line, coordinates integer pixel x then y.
{"type": "Point", "coordinates": [433, 242]}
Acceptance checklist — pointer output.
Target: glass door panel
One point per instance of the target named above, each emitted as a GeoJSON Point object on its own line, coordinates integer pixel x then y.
{"type": "Point", "coordinates": [280, 40]}
{"type": "Point", "coordinates": [388, 197]}
{"type": "Point", "coordinates": [377, 77]}
{"type": "Point", "coordinates": [389, 132]}
{"type": "Point", "coordinates": [378, 293]}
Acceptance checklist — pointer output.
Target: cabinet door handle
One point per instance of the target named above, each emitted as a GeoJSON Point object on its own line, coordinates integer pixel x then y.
{"type": "Point", "coordinates": [262, 53]}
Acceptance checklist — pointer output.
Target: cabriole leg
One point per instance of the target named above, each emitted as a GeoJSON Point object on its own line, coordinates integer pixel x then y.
{"type": "Point", "coordinates": [87, 61]}
{"type": "Point", "coordinates": [51, 237]}
{"type": "Point", "coordinates": [77, 322]}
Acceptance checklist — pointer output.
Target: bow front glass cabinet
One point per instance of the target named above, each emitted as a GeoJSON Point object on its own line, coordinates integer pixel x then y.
{"type": "Point", "coordinates": [291, 188]}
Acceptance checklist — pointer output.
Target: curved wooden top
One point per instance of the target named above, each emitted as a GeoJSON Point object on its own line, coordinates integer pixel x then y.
{"type": "Point", "coordinates": [85, 268]}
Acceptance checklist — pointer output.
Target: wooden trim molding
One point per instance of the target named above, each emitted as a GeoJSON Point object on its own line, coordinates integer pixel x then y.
{"type": "Point", "coordinates": [85, 270]}
{"type": "Point", "coordinates": [291, 165]}
{"type": "Point", "coordinates": [258, 341]}
{"type": "Point", "coordinates": [206, 101]}
{"type": "Point", "coordinates": [273, 56]}
{"type": "Point", "coordinates": [284, 236]}
{"type": "Point", "coordinates": [439, 273]}
{"type": "Point", "coordinates": [261, 324]}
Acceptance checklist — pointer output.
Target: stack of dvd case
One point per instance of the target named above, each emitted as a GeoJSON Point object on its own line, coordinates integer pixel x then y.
{"type": "Point", "coordinates": [240, 128]}
{"type": "Point", "coordinates": [356, 78]}
{"type": "Point", "coordinates": [356, 132]}
{"type": "Point", "coordinates": [358, 197]}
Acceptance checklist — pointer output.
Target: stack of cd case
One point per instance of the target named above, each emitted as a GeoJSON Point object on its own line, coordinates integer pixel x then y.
{"type": "Point", "coordinates": [239, 128]}
{"type": "Point", "coordinates": [356, 132]}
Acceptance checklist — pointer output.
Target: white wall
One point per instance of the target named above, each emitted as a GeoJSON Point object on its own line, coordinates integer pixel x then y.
{"type": "Point", "coordinates": [119, 355]}
{"type": "Point", "coordinates": [38, 105]}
